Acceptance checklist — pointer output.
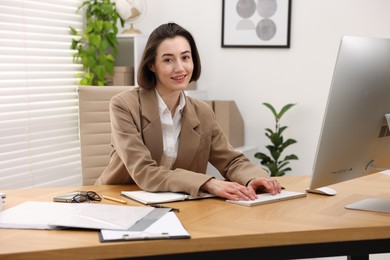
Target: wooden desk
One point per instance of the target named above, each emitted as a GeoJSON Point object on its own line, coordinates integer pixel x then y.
{"type": "Point", "coordinates": [307, 227]}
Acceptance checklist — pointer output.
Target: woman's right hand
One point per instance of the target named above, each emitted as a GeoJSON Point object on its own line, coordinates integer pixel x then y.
{"type": "Point", "coordinates": [228, 190]}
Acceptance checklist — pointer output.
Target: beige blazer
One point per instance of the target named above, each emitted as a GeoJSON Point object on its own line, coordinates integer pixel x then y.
{"type": "Point", "coordinates": [137, 146]}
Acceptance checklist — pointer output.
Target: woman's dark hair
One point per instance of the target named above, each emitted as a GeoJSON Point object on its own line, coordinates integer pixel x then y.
{"type": "Point", "coordinates": [146, 77]}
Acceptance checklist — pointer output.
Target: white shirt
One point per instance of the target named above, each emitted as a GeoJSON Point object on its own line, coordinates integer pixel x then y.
{"type": "Point", "coordinates": [171, 127]}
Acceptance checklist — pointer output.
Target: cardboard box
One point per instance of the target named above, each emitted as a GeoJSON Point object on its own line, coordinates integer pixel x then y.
{"type": "Point", "coordinates": [123, 76]}
{"type": "Point", "coordinates": [230, 119]}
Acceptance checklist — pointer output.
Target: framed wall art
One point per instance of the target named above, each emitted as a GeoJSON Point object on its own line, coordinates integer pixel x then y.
{"type": "Point", "coordinates": [256, 23]}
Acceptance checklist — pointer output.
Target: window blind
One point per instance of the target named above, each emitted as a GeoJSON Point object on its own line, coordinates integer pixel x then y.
{"type": "Point", "coordinates": [39, 140]}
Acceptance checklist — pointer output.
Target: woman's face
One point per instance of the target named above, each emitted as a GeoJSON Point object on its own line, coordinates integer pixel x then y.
{"type": "Point", "coordinates": [173, 65]}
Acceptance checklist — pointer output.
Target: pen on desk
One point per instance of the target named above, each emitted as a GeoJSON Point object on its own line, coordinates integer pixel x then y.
{"type": "Point", "coordinates": [114, 199]}
{"type": "Point", "coordinates": [164, 207]}
{"type": "Point", "coordinates": [144, 235]}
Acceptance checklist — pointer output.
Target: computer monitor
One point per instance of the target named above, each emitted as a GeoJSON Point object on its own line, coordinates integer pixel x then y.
{"type": "Point", "coordinates": [355, 136]}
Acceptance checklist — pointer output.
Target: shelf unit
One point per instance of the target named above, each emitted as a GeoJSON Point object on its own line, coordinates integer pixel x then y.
{"type": "Point", "coordinates": [130, 49]}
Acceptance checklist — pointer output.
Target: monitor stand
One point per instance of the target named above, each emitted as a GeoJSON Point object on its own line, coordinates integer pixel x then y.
{"type": "Point", "coordinates": [323, 191]}
{"type": "Point", "coordinates": [376, 205]}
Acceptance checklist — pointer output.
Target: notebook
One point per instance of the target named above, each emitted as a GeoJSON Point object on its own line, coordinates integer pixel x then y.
{"type": "Point", "coordinates": [265, 198]}
{"type": "Point", "coordinates": [146, 197]}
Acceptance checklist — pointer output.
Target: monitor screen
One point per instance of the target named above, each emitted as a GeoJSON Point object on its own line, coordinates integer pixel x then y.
{"type": "Point", "coordinates": [355, 137]}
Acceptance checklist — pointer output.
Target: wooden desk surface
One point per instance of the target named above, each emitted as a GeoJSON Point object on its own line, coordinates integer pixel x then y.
{"type": "Point", "coordinates": [214, 224]}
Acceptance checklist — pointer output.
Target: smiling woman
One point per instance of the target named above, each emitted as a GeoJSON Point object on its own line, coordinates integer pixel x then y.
{"type": "Point", "coordinates": [39, 144]}
{"type": "Point", "coordinates": [163, 140]}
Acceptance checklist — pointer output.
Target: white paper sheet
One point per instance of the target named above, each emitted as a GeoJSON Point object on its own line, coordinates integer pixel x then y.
{"type": "Point", "coordinates": [52, 215]}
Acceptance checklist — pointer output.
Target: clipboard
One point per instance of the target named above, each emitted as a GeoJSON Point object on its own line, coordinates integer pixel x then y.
{"type": "Point", "coordinates": [166, 227]}
{"type": "Point", "coordinates": [149, 219]}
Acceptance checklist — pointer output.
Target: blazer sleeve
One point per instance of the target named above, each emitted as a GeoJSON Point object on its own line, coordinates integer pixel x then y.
{"type": "Point", "coordinates": [232, 164]}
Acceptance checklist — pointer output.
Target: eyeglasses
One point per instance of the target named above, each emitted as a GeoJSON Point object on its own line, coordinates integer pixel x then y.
{"type": "Point", "coordinates": [86, 196]}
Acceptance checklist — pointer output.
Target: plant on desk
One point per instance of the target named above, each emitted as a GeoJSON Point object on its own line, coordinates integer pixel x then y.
{"type": "Point", "coordinates": [276, 166]}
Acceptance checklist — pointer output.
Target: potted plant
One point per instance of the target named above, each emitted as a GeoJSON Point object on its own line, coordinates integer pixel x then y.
{"type": "Point", "coordinates": [275, 164]}
{"type": "Point", "coordinates": [97, 45]}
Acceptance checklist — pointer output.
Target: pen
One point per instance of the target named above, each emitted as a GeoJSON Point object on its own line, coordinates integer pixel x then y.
{"type": "Point", "coordinates": [159, 206]}
{"type": "Point", "coordinates": [144, 235]}
{"type": "Point", "coordinates": [114, 199]}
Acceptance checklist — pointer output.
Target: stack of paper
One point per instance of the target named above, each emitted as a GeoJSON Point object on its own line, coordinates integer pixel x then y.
{"type": "Point", "coordinates": [115, 222]}
{"type": "Point", "coordinates": [53, 215]}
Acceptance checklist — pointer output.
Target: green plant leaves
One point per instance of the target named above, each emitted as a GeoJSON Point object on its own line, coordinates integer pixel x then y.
{"type": "Point", "coordinates": [94, 40]}
{"type": "Point", "coordinates": [279, 115]}
{"type": "Point", "coordinates": [272, 162]}
{"type": "Point", "coordinates": [97, 46]}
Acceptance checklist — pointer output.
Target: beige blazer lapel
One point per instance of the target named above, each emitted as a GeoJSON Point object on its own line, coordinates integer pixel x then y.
{"type": "Point", "coordinates": [189, 137]}
{"type": "Point", "coordinates": [152, 131]}
{"type": "Point", "coordinates": [151, 123]}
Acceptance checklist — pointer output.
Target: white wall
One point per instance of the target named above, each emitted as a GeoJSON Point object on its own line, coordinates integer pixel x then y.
{"type": "Point", "coordinates": [300, 74]}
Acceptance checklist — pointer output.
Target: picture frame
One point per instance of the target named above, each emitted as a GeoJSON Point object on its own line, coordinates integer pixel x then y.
{"type": "Point", "coordinates": [256, 23]}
